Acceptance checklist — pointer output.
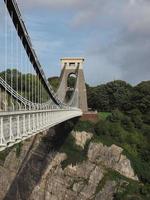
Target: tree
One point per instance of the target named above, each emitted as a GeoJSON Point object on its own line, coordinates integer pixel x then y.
{"type": "Point", "coordinates": [110, 96]}
{"type": "Point", "coordinates": [141, 97]}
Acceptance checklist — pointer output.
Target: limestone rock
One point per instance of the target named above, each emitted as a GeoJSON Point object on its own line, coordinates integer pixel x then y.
{"type": "Point", "coordinates": [82, 170]}
{"type": "Point", "coordinates": [124, 168]}
{"type": "Point", "coordinates": [81, 138]}
{"type": "Point", "coordinates": [107, 192]}
{"type": "Point", "coordinates": [83, 181]}
{"type": "Point", "coordinates": [96, 176]}
{"type": "Point", "coordinates": [94, 151]}
{"type": "Point", "coordinates": [88, 191]}
{"type": "Point", "coordinates": [77, 187]}
{"type": "Point", "coordinates": [5, 179]}
{"type": "Point", "coordinates": [111, 157]}
{"type": "Point", "coordinates": [94, 179]}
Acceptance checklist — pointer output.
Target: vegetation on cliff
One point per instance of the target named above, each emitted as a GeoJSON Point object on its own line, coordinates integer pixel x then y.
{"type": "Point", "coordinates": [132, 134]}
{"type": "Point", "coordinates": [119, 95]}
{"type": "Point", "coordinates": [124, 121]}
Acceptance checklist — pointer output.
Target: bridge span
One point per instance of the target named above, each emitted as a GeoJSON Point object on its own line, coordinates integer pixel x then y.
{"type": "Point", "coordinates": [29, 105]}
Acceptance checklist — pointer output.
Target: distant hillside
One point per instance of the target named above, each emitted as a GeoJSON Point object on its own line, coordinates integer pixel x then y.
{"type": "Point", "coordinates": [105, 97]}
{"type": "Point", "coordinates": [116, 94]}
{"type": "Point", "coordinates": [54, 81]}
{"type": "Point", "coordinates": [119, 95]}
{"type": "Point", "coordinates": [124, 124]}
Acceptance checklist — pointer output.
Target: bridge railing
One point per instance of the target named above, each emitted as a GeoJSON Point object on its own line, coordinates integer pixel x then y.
{"type": "Point", "coordinates": [29, 105]}
{"type": "Point", "coordinates": [20, 125]}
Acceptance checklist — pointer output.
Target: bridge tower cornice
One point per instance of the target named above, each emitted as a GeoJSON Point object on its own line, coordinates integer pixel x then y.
{"type": "Point", "coordinates": [72, 63]}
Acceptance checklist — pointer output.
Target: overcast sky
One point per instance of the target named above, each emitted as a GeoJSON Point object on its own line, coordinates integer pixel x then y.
{"type": "Point", "coordinates": [112, 35]}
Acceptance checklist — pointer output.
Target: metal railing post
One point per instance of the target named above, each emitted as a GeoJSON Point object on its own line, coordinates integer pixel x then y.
{"type": "Point", "coordinates": [29, 124]}
{"type": "Point", "coordinates": [11, 137]}
{"type": "Point", "coordinates": [34, 125]}
{"type": "Point", "coordinates": [2, 139]}
{"type": "Point", "coordinates": [37, 121]}
{"type": "Point", "coordinates": [24, 126]}
{"type": "Point", "coordinates": [18, 127]}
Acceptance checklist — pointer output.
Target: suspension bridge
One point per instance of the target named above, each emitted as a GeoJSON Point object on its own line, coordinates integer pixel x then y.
{"type": "Point", "coordinates": [28, 103]}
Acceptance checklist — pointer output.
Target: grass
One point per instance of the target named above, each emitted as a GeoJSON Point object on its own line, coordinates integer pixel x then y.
{"type": "Point", "coordinates": [102, 139]}
{"type": "Point", "coordinates": [103, 115]}
{"type": "Point", "coordinates": [84, 126]}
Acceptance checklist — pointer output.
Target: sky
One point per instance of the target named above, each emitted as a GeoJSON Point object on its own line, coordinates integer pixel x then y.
{"type": "Point", "coordinates": [112, 35]}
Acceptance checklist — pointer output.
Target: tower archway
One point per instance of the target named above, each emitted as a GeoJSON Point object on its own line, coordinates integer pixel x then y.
{"type": "Point", "coordinates": [73, 67]}
{"type": "Point", "coordinates": [71, 84]}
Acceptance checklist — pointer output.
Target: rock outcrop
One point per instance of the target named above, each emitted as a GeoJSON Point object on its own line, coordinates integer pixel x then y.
{"type": "Point", "coordinates": [86, 180]}
{"type": "Point", "coordinates": [82, 181]}
{"type": "Point", "coordinates": [81, 138]}
{"type": "Point", "coordinates": [111, 157]}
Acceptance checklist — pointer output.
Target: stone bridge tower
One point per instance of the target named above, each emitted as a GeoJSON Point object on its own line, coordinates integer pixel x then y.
{"type": "Point", "coordinates": [69, 66]}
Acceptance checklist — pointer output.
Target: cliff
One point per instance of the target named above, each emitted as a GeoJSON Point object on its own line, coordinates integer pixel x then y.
{"type": "Point", "coordinates": [41, 170]}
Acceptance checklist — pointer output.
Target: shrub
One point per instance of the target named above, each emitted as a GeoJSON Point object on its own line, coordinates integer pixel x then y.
{"type": "Point", "coordinates": [101, 128]}
{"type": "Point", "coordinates": [84, 126]}
{"type": "Point", "coordinates": [136, 118]}
{"type": "Point", "coordinates": [116, 116]}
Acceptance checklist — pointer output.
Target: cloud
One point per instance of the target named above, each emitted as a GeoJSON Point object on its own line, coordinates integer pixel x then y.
{"type": "Point", "coordinates": [127, 52]}
{"type": "Point", "coordinates": [113, 35]}
{"type": "Point", "coordinates": [50, 4]}
{"type": "Point", "coordinates": [117, 43]}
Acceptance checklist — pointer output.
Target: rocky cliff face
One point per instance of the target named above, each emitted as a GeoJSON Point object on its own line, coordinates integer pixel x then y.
{"type": "Point", "coordinates": [43, 177]}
